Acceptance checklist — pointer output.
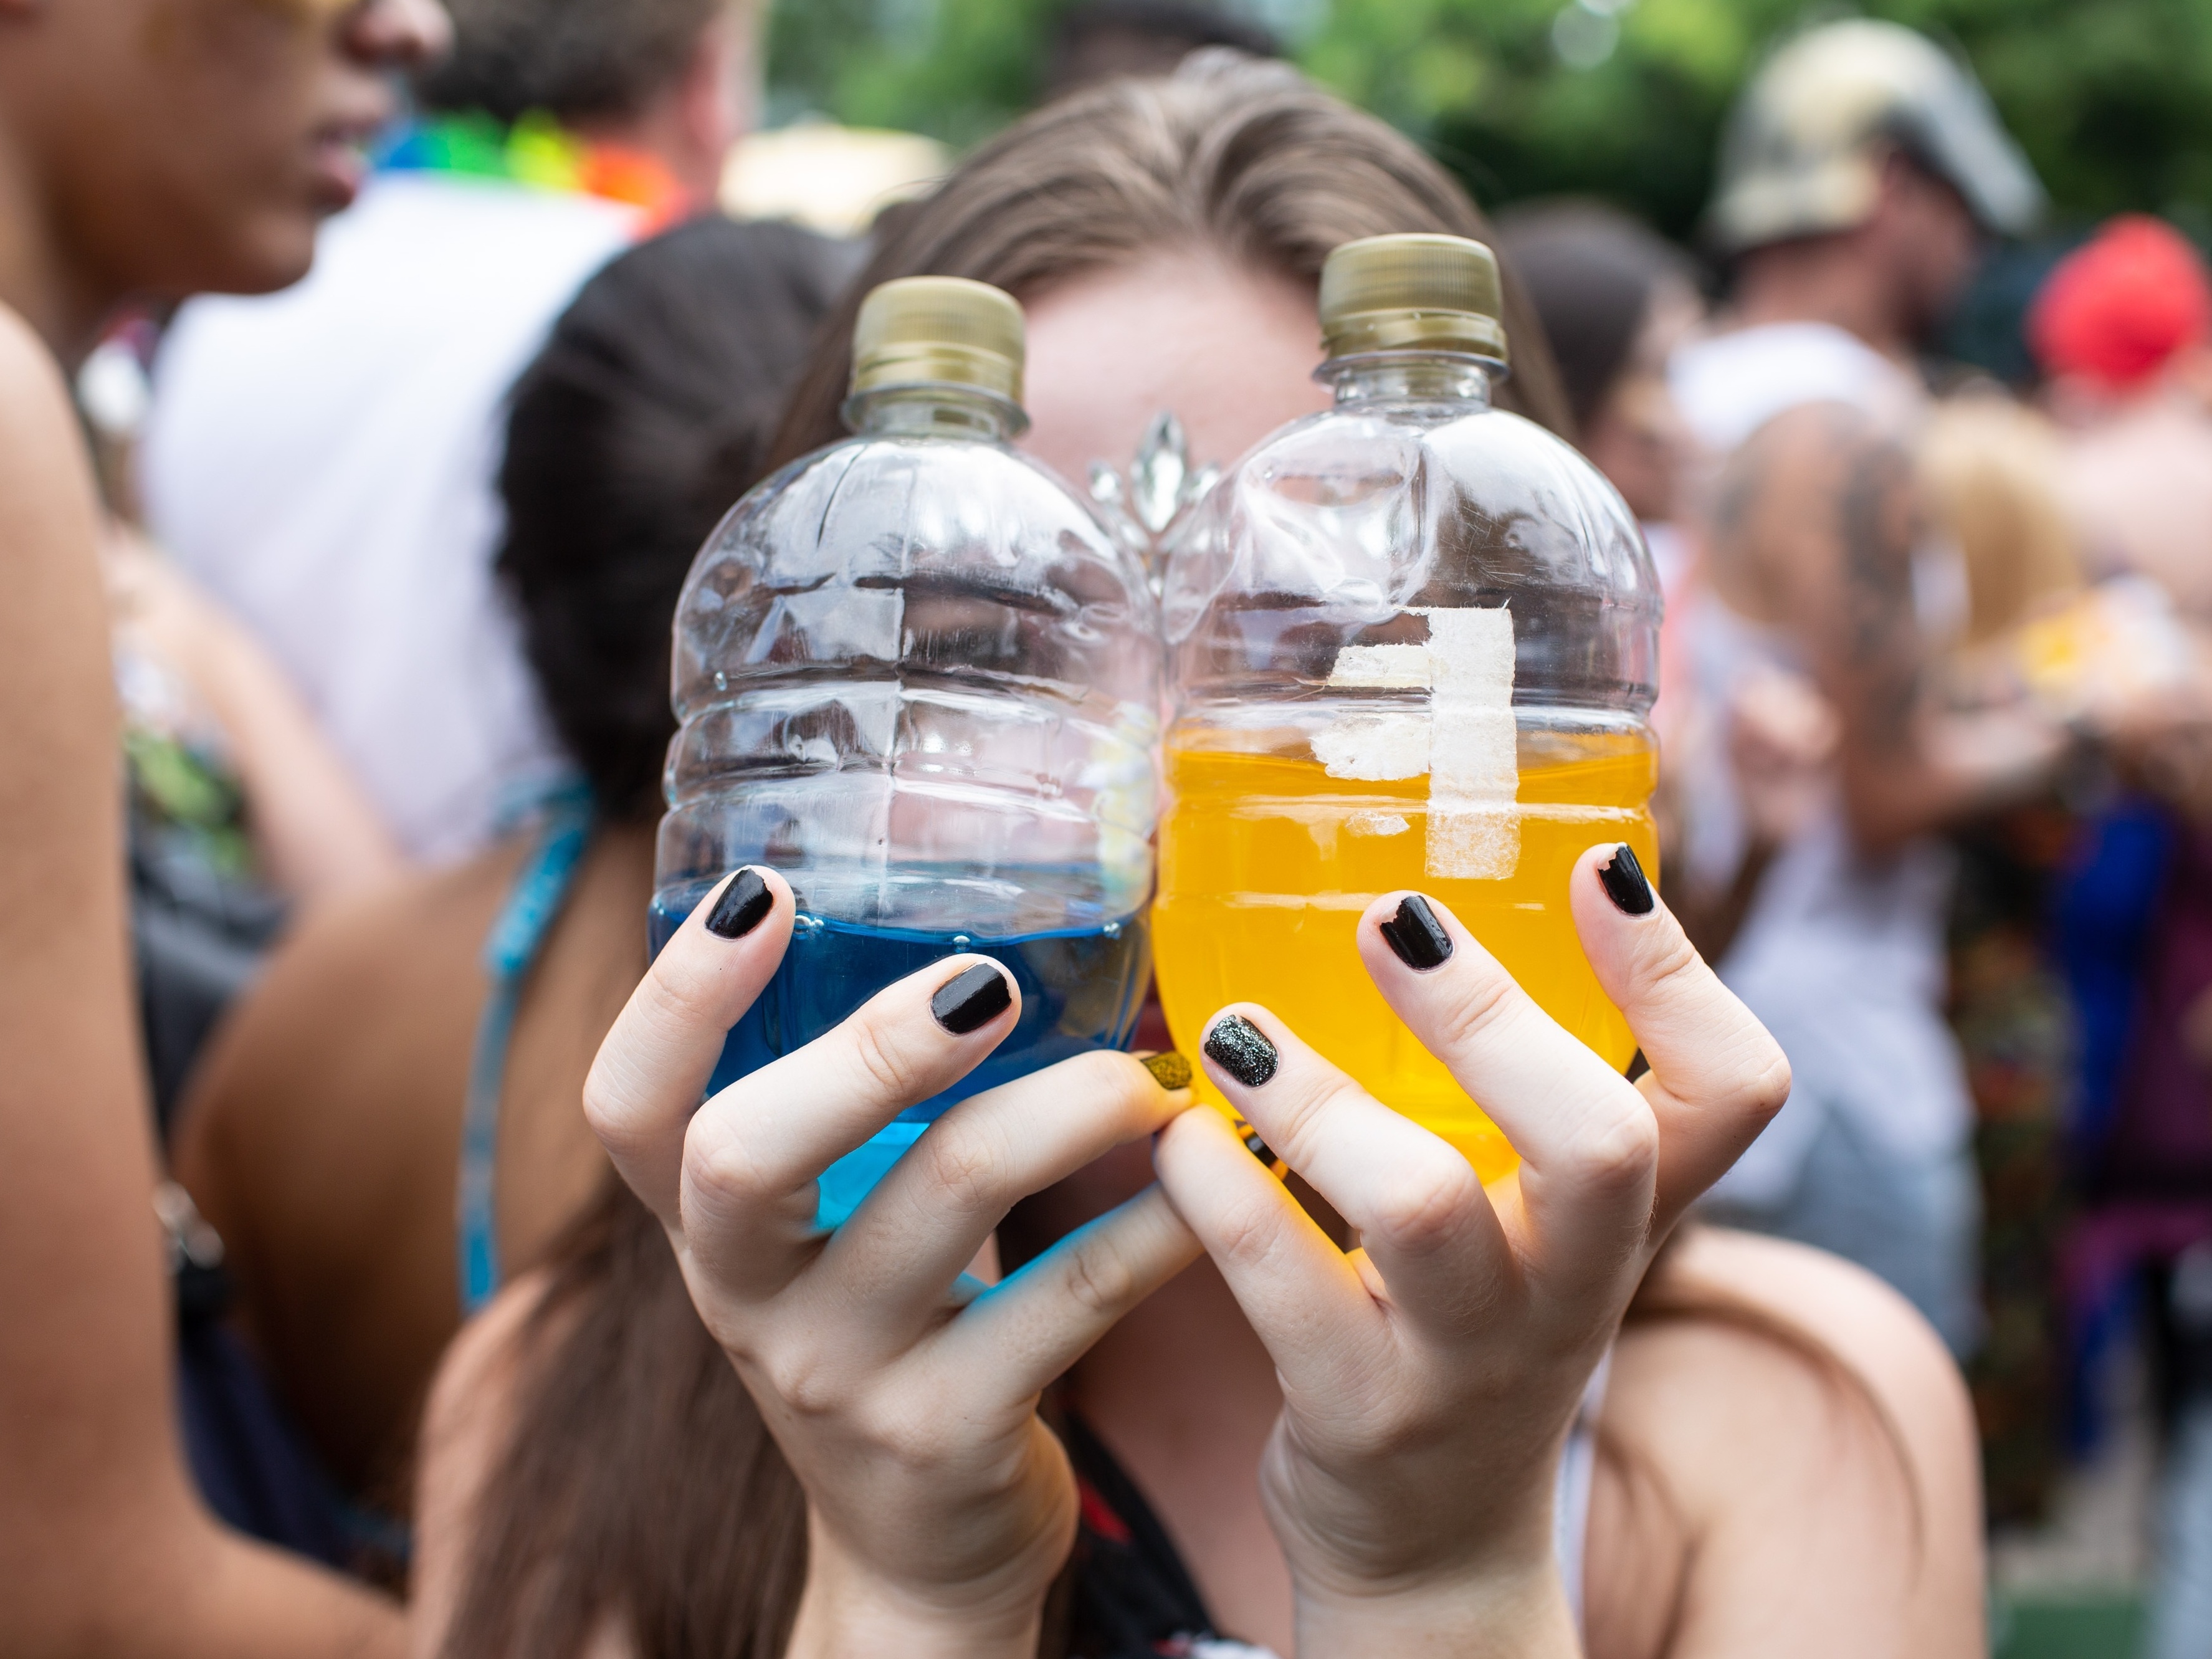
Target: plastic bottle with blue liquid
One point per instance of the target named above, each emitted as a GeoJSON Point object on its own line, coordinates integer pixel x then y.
{"type": "Point", "coordinates": [915, 674]}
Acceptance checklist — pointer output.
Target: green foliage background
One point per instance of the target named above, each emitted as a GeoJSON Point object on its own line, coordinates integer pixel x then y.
{"type": "Point", "coordinates": [2112, 99]}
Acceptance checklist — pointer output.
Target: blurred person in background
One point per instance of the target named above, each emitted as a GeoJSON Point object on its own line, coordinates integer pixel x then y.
{"type": "Point", "coordinates": [322, 461]}
{"type": "Point", "coordinates": [2120, 328]}
{"type": "Point", "coordinates": [595, 1472]}
{"type": "Point", "coordinates": [1099, 40]}
{"type": "Point", "coordinates": [1990, 472]}
{"type": "Point", "coordinates": [329, 1152]}
{"type": "Point", "coordinates": [239, 811]}
{"type": "Point", "coordinates": [150, 151]}
{"type": "Point", "coordinates": [1617, 302]}
{"type": "Point", "coordinates": [2123, 330]}
{"type": "Point", "coordinates": [1858, 173]}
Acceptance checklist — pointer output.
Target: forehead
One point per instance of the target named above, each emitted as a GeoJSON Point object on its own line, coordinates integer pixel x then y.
{"type": "Point", "coordinates": [1229, 349]}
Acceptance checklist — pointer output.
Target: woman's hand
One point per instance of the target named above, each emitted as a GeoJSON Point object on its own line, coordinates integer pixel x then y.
{"type": "Point", "coordinates": [903, 1394]}
{"type": "Point", "coordinates": [1429, 1376]}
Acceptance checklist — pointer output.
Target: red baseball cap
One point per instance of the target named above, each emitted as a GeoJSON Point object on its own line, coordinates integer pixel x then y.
{"type": "Point", "coordinates": [2119, 305]}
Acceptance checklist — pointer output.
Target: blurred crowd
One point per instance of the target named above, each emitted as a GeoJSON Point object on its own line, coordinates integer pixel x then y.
{"type": "Point", "coordinates": [391, 556]}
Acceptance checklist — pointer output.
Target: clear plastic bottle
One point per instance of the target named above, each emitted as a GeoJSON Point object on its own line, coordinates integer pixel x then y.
{"type": "Point", "coordinates": [917, 676]}
{"type": "Point", "coordinates": [1413, 643]}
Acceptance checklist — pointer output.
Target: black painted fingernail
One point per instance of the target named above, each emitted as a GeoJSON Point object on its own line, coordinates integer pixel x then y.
{"type": "Point", "coordinates": [1415, 937]}
{"type": "Point", "coordinates": [744, 905]}
{"type": "Point", "coordinates": [1171, 1070]}
{"type": "Point", "coordinates": [1258, 1148]}
{"type": "Point", "coordinates": [971, 998]}
{"type": "Point", "coordinates": [1236, 1045]}
{"type": "Point", "coordinates": [1625, 882]}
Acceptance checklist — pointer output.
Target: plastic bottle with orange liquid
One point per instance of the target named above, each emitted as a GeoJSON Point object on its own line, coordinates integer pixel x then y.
{"type": "Point", "coordinates": [1414, 643]}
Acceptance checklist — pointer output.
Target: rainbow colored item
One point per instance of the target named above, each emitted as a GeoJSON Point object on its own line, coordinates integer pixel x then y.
{"type": "Point", "coordinates": [536, 151]}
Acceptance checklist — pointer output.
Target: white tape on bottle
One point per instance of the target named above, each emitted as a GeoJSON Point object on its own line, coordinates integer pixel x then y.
{"type": "Point", "coordinates": [1464, 740]}
{"type": "Point", "coordinates": [1474, 834]}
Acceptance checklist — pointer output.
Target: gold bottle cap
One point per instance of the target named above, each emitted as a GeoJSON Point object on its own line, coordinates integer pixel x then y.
{"type": "Point", "coordinates": [938, 331]}
{"type": "Point", "coordinates": [1411, 292]}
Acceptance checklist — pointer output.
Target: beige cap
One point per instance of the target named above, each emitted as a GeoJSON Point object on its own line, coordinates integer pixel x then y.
{"type": "Point", "coordinates": [1803, 147]}
{"type": "Point", "coordinates": [1412, 292]}
{"type": "Point", "coordinates": [938, 331]}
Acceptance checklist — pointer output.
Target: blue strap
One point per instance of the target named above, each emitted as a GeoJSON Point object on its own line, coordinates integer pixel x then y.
{"type": "Point", "coordinates": [540, 887]}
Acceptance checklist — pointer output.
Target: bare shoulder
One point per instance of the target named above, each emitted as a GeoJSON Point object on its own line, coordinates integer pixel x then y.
{"type": "Point", "coordinates": [386, 937]}
{"type": "Point", "coordinates": [370, 990]}
{"type": "Point", "coordinates": [1810, 1443]}
{"type": "Point", "coordinates": [325, 1116]}
{"type": "Point", "coordinates": [465, 1425]}
{"type": "Point", "coordinates": [1871, 1329]}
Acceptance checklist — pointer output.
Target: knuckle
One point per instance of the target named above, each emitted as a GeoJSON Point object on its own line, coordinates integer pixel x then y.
{"type": "Point", "coordinates": [1294, 1139]}
{"type": "Point", "coordinates": [964, 1166]}
{"type": "Point", "coordinates": [912, 1434]}
{"type": "Point", "coordinates": [723, 1168]}
{"type": "Point", "coordinates": [1243, 1233]}
{"type": "Point", "coordinates": [881, 1060]}
{"type": "Point", "coordinates": [603, 1105]}
{"type": "Point", "coordinates": [1099, 1281]}
{"type": "Point", "coordinates": [1767, 1086]}
{"type": "Point", "coordinates": [1671, 966]}
{"type": "Point", "coordinates": [805, 1383]}
{"type": "Point", "coordinates": [676, 993]}
{"type": "Point", "coordinates": [1120, 1080]}
{"type": "Point", "coordinates": [1424, 1208]}
{"type": "Point", "coordinates": [1622, 1152]}
{"type": "Point", "coordinates": [1487, 1001]}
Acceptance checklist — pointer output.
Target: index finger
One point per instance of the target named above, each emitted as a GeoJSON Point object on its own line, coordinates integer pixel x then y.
{"type": "Point", "coordinates": [1587, 1140]}
{"type": "Point", "coordinates": [652, 1069]}
{"type": "Point", "coordinates": [1716, 1075]}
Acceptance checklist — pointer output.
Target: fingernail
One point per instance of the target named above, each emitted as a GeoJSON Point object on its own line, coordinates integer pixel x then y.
{"type": "Point", "coordinates": [1236, 1045]}
{"type": "Point", "coordinates": [1258, 1148]}
{"type": "Point", "coordinates": [1414, 935]}
{"type": "Point", "coordinates": [971, 998]}
{"type": "Point", "coordinates": [1171, 1070]}
{"type": "Point", "coordinates": [1624, 883]}
{"type": "Point", "coordinates": [744, 904]}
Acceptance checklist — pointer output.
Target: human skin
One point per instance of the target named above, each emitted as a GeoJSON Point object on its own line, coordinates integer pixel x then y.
{"type": "Point", "coordinates": [147, 147]}
{"type": "Point", "coordinates": [1889, 279]}
{"type": "Point", "coordinates": [1635, 435]}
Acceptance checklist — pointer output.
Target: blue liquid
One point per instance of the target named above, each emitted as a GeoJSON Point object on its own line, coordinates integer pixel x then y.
{"type": "Point", "coordinates": [1081, 990]}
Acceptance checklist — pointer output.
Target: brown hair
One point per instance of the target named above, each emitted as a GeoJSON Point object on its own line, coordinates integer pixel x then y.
{"type": "Point", "coordinates": [1242, 157]}
{"type": "Point", "coordinates": [639, 1486]}
{"type": "Point", "coordinates": [575, 60]}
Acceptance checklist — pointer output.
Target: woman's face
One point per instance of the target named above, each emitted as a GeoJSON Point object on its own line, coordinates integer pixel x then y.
{"type": "Point", "coordinates": [181, 146]}
{"type": "Point", "coordinates": [1637, 438]}
{"type": "Point", "coordinates": [1228, 350]}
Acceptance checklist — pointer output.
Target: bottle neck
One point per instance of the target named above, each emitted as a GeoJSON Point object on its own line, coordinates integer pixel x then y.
{"type": "Point", "coordinates": [1410, 377]}
{"type": "Point", "coordinates": [934, 411]}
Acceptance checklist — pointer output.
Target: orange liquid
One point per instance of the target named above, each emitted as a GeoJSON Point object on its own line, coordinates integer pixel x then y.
{"type": "Point", "coordinates": [1266, 862]}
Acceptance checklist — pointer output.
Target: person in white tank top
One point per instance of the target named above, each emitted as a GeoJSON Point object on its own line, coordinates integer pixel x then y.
{"type": "Point", "coordinates": [1859, 170]}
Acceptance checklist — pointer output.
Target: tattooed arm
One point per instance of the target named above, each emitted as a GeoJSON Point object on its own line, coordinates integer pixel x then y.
{"type": "Point", "coordinates": [1814, 533]}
